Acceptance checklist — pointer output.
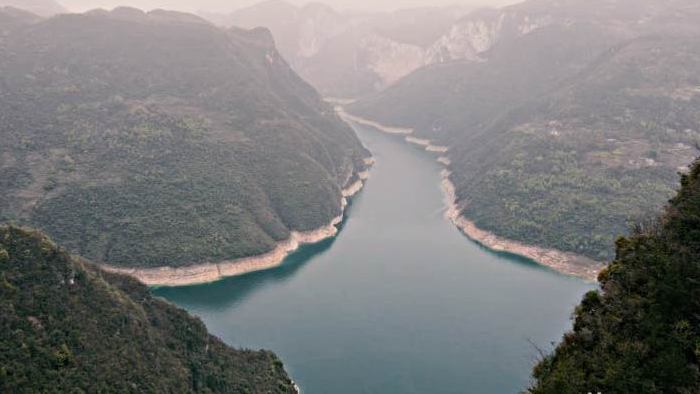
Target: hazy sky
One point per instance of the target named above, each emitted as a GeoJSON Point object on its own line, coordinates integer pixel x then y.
{"type": "Point", "coordinates": [229, 5]}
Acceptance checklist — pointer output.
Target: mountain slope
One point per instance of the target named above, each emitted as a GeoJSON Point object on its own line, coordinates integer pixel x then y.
{"type": "Point", "coordinates": [12, 18]}
{"type": "Point", "coordinates": [641, 332]}
{"type": "Point", "coordinates": [68, 326]}
{"type": "Point", "coordinates": [561, 136]}
{"type": "Point", "coordinates": [158, 139]}
{"type": "Point", "coordinates": [588, 159]}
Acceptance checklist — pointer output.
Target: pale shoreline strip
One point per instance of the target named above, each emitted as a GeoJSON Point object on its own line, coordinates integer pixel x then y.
{"type": "Point", "coordinates": [422, 142]}
{"type": "Point", "coordinates": [563, 262]}
{"type": "Point", "coordinates": [339, 100]}
{"type": "Point", "coordinates": [212, 272]}
{"type": "Point", "coordinates": [366, 122]}
{"type": "Point", "coordinates": [427, 144]}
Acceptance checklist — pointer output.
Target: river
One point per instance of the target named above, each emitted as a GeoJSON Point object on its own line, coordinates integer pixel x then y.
{"type": "Point", "coordinates": [399, 302]}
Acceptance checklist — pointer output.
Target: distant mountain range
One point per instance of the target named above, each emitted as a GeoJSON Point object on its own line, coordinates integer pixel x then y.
{"type": "Point", "coordinates": [566, 120]}
{"type": "Point", "coordinates": [348, 54]}
{"type": "Point", "coordinates": [158, 139]}
{"type": "Point", "coordinates": [351, 55]}
{"type": "Point", "coordinates": [43, 8]}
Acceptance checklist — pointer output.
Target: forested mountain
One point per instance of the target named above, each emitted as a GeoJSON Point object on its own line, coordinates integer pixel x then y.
{"type": "Point", "coordinates": [641, 332]}
{"type": "Point", "coordinates": [67, 326]}
{"type": "Point", "coordinates": [346, 54]}
{"type": "Point", "coordinates": [43, 8]}
{"type": "Point", "coordinates": [151, 139]}
{"type": "Point", "coordinates": [568, 127]}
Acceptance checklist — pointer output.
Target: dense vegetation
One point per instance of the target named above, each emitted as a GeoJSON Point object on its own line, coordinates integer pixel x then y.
{"type": "Point", "coordinates": [67, 326]}
{"type": "Point", "coordinates": [565, 134]}
{"type": "Point", "coordinates": [158, 139]}
{"type": "Point", "coordinates": [641, 333]}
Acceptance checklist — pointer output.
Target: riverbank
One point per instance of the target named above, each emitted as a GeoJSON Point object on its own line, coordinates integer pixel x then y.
{"type": "Point", "coordinates": [563, 262]}
{"type": "Point", "coordinates": [422, 142]}
{"type": "Point", "coordinates": [566, 263]}
{"type": "Point", "coordinates": [211, 272]}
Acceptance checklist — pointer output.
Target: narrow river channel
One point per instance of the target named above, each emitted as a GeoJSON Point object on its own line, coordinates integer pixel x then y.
{"type": "Point", "coordinates": [399, 302]}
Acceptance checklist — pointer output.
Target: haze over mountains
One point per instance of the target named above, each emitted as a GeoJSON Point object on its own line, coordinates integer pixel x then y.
{"type": "Point", "coordinates": [224, 6]}
{"type": "Point", "coordinates": [164, 139]}
{"type": "Point", "coordinates": [44, 8]}
{"type": "Point", "coordinates": [346, 54]}
{"type": "Point", "coordinates": [342, 53]}
{"type": "Point", "coordinates": [351, 55]}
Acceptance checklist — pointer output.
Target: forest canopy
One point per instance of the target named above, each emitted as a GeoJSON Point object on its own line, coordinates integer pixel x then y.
{"type": "Point", "coordinates": [641, 332]}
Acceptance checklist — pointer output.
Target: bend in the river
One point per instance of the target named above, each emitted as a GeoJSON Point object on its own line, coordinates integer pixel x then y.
{"type": "Point", "coordinates": [399, 302]}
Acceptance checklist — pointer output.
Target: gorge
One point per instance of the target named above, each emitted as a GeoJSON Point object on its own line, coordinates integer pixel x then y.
{"type": "Point", "coordinates": [399, 302]}
{"type": "Point", "coordinates": [298, 198]}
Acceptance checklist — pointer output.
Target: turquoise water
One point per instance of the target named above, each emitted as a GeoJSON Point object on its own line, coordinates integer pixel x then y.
{"type": "Point", "coordinates": [399, 302]}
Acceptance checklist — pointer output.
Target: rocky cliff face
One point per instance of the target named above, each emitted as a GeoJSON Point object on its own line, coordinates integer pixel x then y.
{"type": "Point", "coordinates": [472, 36]}
{"type": "Point", "coordinates": [467, 38]}
{"type": "Point", "coordinates": [346, 55]}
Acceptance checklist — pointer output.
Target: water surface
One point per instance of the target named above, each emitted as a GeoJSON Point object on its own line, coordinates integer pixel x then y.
{"type": "Point", "coordinates": [399, 302]}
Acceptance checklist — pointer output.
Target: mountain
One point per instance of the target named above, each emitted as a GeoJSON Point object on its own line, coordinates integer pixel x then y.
{"type": "Point", "coordinates": [44, 8]}
{"type": "Point", "coordinates": [68, 326]}
{"type": "Point", "coordinates": [640, 333]}
{"type": "Point", "coordinates": [566, 129]}
{"type": "Point", "coordinates": [471, 37]}
{"type": "Point", "coordinates": [345, 54]}
{"type": "Point", "coordinates": [12, 18]}
{"type": "Point", "coordinates": [157, 139]}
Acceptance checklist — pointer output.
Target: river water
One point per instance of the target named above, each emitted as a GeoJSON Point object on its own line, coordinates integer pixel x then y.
{"type": "Point", "coordinates": [399, 302]}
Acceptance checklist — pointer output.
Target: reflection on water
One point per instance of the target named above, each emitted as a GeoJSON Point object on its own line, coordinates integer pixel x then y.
{"type": "Point", "coordinates": [228, 292]}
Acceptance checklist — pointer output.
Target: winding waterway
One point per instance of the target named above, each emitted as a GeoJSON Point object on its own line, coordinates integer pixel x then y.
{"type": "Point", "coordinates": [399, 302]}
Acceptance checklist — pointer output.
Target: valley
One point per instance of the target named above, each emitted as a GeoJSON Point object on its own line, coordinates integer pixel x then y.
{"type": "Point", "coordinates": [566, 133]}
{"type": "Point", "coordinates": [566, 263]}
{"type": "Point", "coordinates": [400, 301]}
{"type": "Point", "coordinates": [441, 199]}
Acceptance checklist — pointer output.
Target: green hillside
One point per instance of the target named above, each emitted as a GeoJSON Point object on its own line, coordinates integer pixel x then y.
{"type": "Point", "coordinates": [564, 135]}
{"type": "Point", "coordinates": [641, 332]}
{"type": "Point", "coordinates": [158, 139]}
{"type": "Point", "coordinates": [67, 326]}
